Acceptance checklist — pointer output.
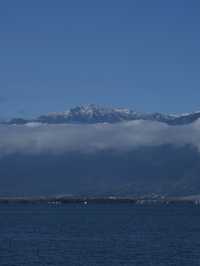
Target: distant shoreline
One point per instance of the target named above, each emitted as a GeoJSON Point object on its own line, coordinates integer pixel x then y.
{"type": "Point", "coordinates": [111, 199]}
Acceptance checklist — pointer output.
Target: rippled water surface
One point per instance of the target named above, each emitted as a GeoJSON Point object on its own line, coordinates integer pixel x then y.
{"type": "Point", "coordinates": [99, 234]}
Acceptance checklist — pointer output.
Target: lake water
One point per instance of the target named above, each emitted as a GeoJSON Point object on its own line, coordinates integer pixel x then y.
{"type": "Point", "coordinates": [99, 234]}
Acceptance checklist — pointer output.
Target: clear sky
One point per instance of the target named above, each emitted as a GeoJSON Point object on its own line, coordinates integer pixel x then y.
{"type": "Point", "coordinates": [133, 53]}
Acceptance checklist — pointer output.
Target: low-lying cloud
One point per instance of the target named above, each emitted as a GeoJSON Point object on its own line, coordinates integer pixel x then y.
{"type": "Point", "coordinates": [57, 139]}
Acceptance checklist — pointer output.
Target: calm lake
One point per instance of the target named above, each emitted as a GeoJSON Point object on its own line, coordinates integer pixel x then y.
{"type": "Point", "coordinates": [99, 234]}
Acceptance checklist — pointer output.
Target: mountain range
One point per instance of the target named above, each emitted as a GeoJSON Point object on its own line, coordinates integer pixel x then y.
{"type": "Point", "coordinates": [157, 159]}
{"type": "Point", "coordinates": [90, 114]}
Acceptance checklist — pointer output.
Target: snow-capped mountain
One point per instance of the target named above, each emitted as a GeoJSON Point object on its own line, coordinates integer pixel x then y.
{"type": "Point", "coordinates": [91, 114]}
{"type": "Point", "coordinates": [94, 114]}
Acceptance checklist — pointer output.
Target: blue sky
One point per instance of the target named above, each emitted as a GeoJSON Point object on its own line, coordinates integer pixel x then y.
{"type": "Point", "coordinates": [134, 53]}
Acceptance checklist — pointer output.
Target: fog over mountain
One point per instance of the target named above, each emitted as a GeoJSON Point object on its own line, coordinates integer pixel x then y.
{"type": "Point", "coordinates": [35, 138]}
{"type": "Point", "coordinates": [133, 157]}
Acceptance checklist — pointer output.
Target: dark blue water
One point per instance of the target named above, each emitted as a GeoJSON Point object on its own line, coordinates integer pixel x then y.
{"type": "Point", "coordinates": [121, 234]}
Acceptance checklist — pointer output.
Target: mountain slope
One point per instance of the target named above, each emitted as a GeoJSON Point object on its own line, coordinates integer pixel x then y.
{"type": "Point", "coordinates": [164, 170]}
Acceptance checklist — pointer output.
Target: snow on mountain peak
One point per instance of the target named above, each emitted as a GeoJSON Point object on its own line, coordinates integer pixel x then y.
{"type": "Point", "coordinates": [91, 114]}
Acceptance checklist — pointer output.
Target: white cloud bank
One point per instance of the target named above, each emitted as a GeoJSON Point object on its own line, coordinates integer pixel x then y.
{"type": "Point", "coordinates": [37, 138]}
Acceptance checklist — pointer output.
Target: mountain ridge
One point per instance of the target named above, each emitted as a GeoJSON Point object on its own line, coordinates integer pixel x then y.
{"type": "Point", "coordinates": [91, 114]}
